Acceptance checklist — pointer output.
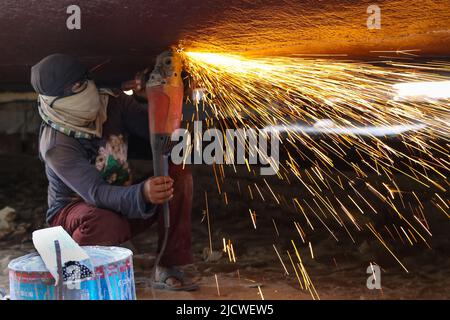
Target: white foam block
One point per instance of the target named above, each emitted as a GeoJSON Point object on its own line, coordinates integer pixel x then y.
{"type": "Point", "coordinates": [44, 242]}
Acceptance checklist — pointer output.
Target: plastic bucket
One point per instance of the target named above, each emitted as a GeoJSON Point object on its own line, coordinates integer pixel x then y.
{"type": "Point", "coordinates": [113, 278]}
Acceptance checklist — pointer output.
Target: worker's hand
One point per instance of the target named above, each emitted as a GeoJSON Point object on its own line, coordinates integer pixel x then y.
{"type": "Point", "coordinates": [139, 90]}
{"type": "Point", "coordinates": [137, 84]}
{"type": "Point", "coordinates": [158, 190]}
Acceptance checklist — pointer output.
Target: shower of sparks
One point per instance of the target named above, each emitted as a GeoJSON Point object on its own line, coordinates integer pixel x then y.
{"type": "Point", "coordinates": [334, 109]}
{"type": "Point", "coordinates": [228, 248]}
{"type": "Point", "coordinates": [307, 283]}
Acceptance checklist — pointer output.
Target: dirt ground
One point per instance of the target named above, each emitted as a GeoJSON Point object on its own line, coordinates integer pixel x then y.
{"type": "Point", "coordinates": [337, 271]}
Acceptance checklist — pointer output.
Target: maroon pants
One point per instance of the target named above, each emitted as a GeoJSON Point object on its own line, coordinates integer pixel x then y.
{"type": "Point", "coordinates": [89, 225]}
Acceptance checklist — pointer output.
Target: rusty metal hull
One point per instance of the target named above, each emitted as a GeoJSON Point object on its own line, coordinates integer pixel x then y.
{"type": "Point", "coordinates": [129, 34]}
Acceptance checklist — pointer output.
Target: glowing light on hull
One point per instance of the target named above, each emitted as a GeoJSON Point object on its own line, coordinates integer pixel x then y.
{"type": "Point", "coordinates": [435, 90]}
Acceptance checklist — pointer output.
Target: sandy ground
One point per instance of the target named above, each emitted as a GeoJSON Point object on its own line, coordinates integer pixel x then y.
{"type": "Point", "coordinates": [338, 270]}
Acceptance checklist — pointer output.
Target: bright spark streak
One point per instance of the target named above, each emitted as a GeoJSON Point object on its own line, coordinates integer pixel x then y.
{"type": "Point", "coordinates": [217, 285]}
{"type": "Point", "coordinates": [376, 131]}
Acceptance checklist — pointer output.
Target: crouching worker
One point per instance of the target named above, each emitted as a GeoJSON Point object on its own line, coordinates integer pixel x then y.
{"type": "Point", "coordinates": [83, 141]}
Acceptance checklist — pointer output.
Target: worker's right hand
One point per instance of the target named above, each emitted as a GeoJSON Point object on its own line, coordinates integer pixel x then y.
{"type": "Point", "coordinates": [158, 190]}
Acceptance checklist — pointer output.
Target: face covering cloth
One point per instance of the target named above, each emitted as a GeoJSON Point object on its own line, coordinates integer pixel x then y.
{"type": "Point", "coordinates": [80, 115]}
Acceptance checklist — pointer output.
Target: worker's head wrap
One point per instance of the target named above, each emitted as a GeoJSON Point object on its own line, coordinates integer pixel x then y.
{"type": "Point", "coordinates": [56, 74]}
{"type": "Point", "coordinates": [80, 115]}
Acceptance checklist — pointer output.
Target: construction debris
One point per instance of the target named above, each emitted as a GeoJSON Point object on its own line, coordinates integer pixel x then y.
{"type": "Point", "coordinates": [211, 255]}
{"type": "Point", "coordinates": [7, 216]}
